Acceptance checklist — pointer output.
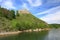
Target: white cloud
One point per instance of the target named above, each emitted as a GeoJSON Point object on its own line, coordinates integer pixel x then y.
{"type": "Point", "coordinates": [49, 11]}
{"type": "Point", "coordinates": [54, 17]}
{"type": "Point", "coordinates": [24, 6]}
{"type": "Point", "coordinates": [53, 1]}
{"type": "Point", "coordinates": [35, 3]}
{"type": "Point", "coordinates": [8, 4]}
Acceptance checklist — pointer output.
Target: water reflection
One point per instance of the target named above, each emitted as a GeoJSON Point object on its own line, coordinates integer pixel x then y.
{"type": "Point", "coordinates": [27, 36]}
{"type": "Point", "coordinates": [53, 34]}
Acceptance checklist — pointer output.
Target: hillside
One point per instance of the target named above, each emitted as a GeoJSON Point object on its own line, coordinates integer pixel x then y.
{"type": "Point", "coordinates": [23, 20]}
{"type": "Point", "coordinates": [28, 21]}
{"type": "Point", "coordinates": [6, 17]}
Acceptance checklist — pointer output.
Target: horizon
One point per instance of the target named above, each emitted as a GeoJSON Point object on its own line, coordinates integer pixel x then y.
{"type": "Point", "coordinates": [46, 10]}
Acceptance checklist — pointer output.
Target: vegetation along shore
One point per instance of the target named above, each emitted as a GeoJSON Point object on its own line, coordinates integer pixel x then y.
{"type": "Point", "coordinates": [12, 22]}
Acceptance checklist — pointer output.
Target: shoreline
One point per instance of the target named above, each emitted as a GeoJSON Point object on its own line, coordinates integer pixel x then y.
{"type": "Point", "coordinates": [17, 32]}
{"type": "Point", "coordinates": [10, 33]}
{"type": "Point", "coordinates": [36, 30]}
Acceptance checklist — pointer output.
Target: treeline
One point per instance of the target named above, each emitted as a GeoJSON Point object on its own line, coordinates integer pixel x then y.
{"type": "Point", "coordinates": [11, 22]}
{"type": "Point", "coordinates": [54, 25]}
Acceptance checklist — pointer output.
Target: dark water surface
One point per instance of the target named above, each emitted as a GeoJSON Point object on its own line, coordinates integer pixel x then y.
{"type": "Point", "coordinates": [53, 34]}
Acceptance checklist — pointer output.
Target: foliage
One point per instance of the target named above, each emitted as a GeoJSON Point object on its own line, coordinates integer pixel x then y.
{"type": "Point", "coordinates": [9, 14]}
{"type": "Point", "coordinates": [28, 21]}
{"type": "Point", "coordinates": [11, 22]}
{"type": "Point", "coordinates": [54, 25]}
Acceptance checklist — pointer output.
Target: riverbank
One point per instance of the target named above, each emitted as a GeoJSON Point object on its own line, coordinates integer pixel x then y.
{"type": "Point", "coordinates": [17, 32]}
{"type": "Point", "coordinates": [36, 30]}
{"type": "Point", "coordinates": [9, 33]}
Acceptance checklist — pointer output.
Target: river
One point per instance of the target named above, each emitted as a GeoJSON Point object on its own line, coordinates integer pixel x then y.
{"type": "Point", "coordinates": [53, 34]}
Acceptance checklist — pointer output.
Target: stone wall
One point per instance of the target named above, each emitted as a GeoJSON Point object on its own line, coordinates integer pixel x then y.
{"type": "Point", "coordinates": [23, 11]}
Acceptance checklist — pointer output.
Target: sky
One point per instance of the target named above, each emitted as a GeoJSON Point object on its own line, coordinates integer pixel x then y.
{"type": "Point", "coordinates": [46, 10]}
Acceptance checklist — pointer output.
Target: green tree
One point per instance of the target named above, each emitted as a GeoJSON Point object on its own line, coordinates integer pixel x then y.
{"type": "Point", "coordinates": [17, 14]}
{"type": "Point", "coordinates": [13, 14]}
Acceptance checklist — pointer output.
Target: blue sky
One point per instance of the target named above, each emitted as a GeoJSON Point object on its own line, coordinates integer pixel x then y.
{"type": "Point", "coordinates": [47, 10]}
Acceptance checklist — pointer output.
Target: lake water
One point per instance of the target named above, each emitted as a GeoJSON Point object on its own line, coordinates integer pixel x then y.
{"type": "Point", "coordinates": [53, 34]}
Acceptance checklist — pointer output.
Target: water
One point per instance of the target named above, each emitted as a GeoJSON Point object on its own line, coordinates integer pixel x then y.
{"type": "Point", "coordinates": [53, 34]}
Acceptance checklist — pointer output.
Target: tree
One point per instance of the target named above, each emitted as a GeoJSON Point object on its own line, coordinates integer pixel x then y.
{"type": "Point", "coordinates": [17, 14]}
{"type": "Point", "coordinates": [13, 13]}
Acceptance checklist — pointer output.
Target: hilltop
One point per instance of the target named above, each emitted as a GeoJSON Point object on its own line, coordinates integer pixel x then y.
{"type": "Point", "coordinates": [23, 11]}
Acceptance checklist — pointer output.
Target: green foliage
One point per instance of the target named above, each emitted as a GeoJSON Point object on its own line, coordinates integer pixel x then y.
{"type": "Point", "coordinates": [9, 14]}
{"type": "Point", "coordinates": [28, 21]}
{"type": "Point", "coordinates": [17, 14]}
{"type": "Point", "coordinates": [5, 25]}
{"type": "Point", "coordinates": [11, 22]}
{"type": "Point", "coordinates": [54, 25]}
{"type": "Point", "coordinates": [12, 14]}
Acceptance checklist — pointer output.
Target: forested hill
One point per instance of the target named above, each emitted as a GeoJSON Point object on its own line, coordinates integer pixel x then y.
{"type": "Point", "coordinates": [54, 25]}
{"type": "Point", "coordinates": [21, 21]}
